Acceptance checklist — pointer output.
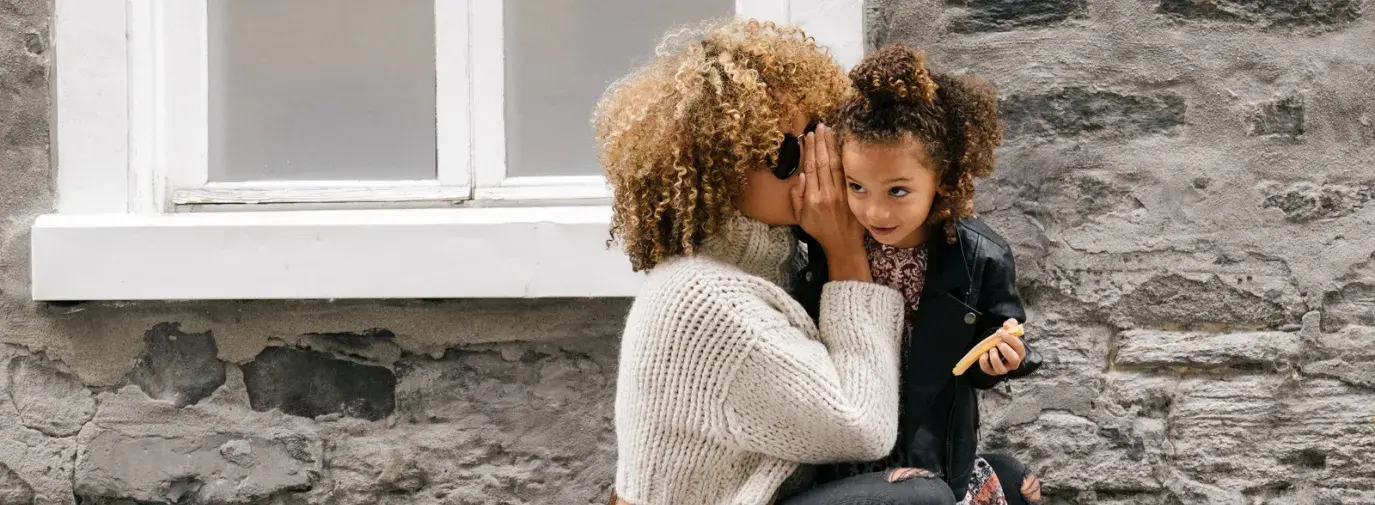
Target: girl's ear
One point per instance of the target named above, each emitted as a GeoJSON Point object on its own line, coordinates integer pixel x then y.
{"type": "Point", "coordinates": [973, 126]}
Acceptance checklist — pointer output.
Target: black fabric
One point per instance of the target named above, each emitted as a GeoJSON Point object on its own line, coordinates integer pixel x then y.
{"type": "Point", "coordinates": [874, 489]}
{"type": "Point", "coordinates": [974, 280]}
{"type": "Point", "coordinates": [1010, 473]}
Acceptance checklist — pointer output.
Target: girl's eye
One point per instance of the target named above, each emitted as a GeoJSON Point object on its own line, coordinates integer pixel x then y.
{"type": "Point", "coordinates": [856, 188]}
{"type": "Point", "coordinates": [899, 192]}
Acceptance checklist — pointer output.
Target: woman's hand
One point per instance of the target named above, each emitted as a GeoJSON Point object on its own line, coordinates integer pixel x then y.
{"type": "Point", "coordinates": [1007, 356]}
{"type": "Point", "coordinates": [824, 212]}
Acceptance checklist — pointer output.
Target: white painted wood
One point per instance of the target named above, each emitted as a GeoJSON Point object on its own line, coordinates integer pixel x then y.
{"type": "Point", "coordinates": [555, 180]}
{"type": "Point", "coordinates": [543, 189]}
{"type": "Point", "coordinates": [168, 112]}
{"type": "Point", "coordinates": [836, 24]}
{"type": "Point", "coordinates": [763, 10]}
{"type": "Point", "coordinates": [184, 92]}
{"type": "Point", "coordinates": [91, 100]}
{"type": "Point", "coordinates": [277, 192]}
{"type": "Point", "coordinates": [144, 115]}
{"type": "Point", "coordinates": [451, 253]}
{"type": "Point", "coordinates": [488, 73]}
{"type": "Point", "coordinates": [452, 88]}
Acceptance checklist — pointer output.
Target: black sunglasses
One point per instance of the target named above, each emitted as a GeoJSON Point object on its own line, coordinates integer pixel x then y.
{"type": "Point", "coordinates": [790, 154]}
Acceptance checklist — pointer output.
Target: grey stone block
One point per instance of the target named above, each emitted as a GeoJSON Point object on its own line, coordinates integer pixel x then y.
{"type": "Point", "coordinates": [183, 368]}
{"type": "Point", "coordinates": [47, 399]}
{"type": "Point", "coordinates": [152, 452]}
{"type": "Point", "coordinates": [1004, 15]}
{"type": "Point", "coordinates": [1146, 348]}
{"type": "Point", "coordinates": [310, 384]}
{"type": "Point", "coordinates": [1283, 117]}
{"type": "Point", "coordinates": [13, 490]}
{"type": "Point", "coordinates": [1308, 201]}
{"type": "Point", "coordinates": [1174, 301]}
{"type": "Point", "coordinates": [1079, 112]}
{"type": "Point", "coordinates": [1277, 12]}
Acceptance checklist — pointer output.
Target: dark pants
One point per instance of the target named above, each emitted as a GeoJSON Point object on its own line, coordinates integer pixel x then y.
{"type": "Point", "coordinates": [874, 488]}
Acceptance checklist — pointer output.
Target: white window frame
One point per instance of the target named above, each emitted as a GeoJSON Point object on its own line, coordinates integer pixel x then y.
{"type": "Point", "coordinates": [131, 145]}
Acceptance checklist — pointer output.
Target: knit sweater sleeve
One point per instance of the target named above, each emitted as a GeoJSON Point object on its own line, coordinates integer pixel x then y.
{"type": "Point", "coordinates": [836, 399]}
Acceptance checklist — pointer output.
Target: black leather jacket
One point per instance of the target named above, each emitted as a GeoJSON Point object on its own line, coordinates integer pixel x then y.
{"type": "Point", "coordinates": [970, 291]}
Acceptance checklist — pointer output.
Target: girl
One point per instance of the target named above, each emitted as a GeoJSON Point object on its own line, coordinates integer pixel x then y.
{"type": "Point", "coordinates": [725, 383]}
{"type": "Point", "coordinates": [913, 143]}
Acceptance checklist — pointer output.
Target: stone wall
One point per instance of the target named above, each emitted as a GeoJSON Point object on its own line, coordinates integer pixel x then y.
{"type": "Point", "coordinates": [1185, 182]}
{"type": "Point", "coordinates": [1188, 186]}
{"type": "Point", "coordinates": [368, 403]}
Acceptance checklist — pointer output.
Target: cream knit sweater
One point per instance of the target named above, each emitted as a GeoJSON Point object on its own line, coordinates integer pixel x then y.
{"type": "Point", "coordinates": [725, 383]}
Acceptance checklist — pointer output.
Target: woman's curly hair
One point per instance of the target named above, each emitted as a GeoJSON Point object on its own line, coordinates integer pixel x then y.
{"type": "Point", "coordinates": [954, 117]}
{"type": "Point", "coordinates": [677, 135]}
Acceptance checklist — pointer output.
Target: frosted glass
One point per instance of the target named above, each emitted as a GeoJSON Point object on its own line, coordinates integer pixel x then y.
{"type": "Point", "coordinates": [561, 55]}
{"type": "Point", "coordinates": [322, 90]}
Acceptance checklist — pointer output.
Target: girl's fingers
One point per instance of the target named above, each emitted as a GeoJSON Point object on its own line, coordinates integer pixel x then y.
{"type": "Point", "coordinates": [1031, 488]}
{"type": "Point", "coordinates": [985, 366]}
{"type": "Point", "coordinates": [996, 360]}
{"type": "Point", "coordinates": [1013, 358]}
{"type": "Point", "coordinates": [1016, 343]}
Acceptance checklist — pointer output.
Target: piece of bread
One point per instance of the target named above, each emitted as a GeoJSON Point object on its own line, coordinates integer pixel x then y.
{"type": "Point", "coordinates": [986, 345]}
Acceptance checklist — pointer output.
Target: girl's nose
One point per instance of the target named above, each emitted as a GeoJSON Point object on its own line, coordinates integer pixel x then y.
{"type": "Point", "coordinates": [877, 212]}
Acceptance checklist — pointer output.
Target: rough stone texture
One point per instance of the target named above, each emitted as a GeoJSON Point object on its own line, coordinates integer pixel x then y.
{"type": "Point", "coordinates": [1354, 302]}
{"type": "Point", "coordinates": [1278, 117]}
{"type": "Point", "coordinates": [36, 466]}
{"type": "Point", "coordinates": [1172, 300]}
{"type": "Point", "coordinates": [1306, 201]}
{"type": "Point", "coordinates": [1277, 12]}
{"type": "Point", "coordinates": [48, 400]}
{"type": "Point", "coordinates": [13, 490]}
{"type": "Point", "coordinates": [1146, 348]}
{"type": "Point", "coordinates": [1079, 111]}
{"type": "Point", "coordinates": [207, 453]}
{"type": "Point", "coordinates": [1003, 15]}
{"type": "Point", "coordinates": [529, 425]}
{"type": "Point", "coordinates": [179, 367]}
{"type": "Point", "coordinates": [309, 384]}
{"type": "Point", "coordinates": [1196, 248]}
{"type": "Point", "coordinates": [1187, 187]}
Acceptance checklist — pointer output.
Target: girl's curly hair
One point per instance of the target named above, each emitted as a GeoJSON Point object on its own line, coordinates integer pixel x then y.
{"type": "Point", "coordinates": [677, 135]}
{"type": "Point", "coordinates": [954, 117]}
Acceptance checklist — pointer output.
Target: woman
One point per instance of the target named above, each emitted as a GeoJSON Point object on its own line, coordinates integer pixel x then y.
{"type": "Point", "coordinates": [725, 382]}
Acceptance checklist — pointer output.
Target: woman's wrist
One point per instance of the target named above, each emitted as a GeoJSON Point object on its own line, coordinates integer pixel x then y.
{"type": "Point", "coordinates": [850, 264]}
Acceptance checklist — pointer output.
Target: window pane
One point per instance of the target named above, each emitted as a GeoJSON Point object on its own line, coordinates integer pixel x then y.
{"type": "Point", "coordinates": [561, 55]}
{"type": "Point", "coordinates": [322, 89]}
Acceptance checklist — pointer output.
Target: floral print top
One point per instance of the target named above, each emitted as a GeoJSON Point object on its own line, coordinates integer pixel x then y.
{"type": "Point", "coordinates": [900, 268]}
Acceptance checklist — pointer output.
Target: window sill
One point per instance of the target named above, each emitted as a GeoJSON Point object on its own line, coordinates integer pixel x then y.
{"type": "Point", "coordinates": [500, 252]}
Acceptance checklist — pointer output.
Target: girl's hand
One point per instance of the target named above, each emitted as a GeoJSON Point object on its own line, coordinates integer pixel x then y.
{"type": "Point", "coordinates": [824, 212]}
{"type": "Point", "coordinates": [1007, 356]}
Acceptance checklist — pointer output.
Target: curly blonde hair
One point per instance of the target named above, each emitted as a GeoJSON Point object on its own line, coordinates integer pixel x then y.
{"type": "Point", "coordinates": [954, 117]}
{"type": "Point", "coordinates": [677, 135]}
